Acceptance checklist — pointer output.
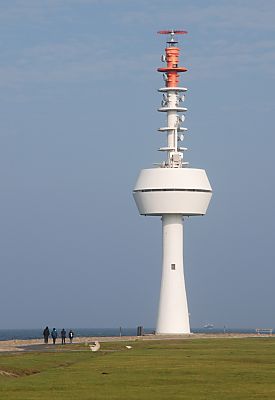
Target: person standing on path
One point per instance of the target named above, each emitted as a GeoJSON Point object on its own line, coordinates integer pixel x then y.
{"type": "Point", "coordinates": [54, 335]}
{"type": "Point", "coordinates": [46, 334]}
{"type": "Point", "coordinates": [63, 336]}
{"type": "Point", "coordinates": [71, 336]}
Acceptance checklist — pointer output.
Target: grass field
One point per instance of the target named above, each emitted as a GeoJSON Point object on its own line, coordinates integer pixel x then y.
{"type": "Point", "coordinates": [209, 369]}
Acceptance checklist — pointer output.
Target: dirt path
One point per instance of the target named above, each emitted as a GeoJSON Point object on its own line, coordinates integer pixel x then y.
{"type": "Point", "coordinates": [38, 344]}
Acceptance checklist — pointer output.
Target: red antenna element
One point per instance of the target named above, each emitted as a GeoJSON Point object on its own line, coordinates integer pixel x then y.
{"type": "Point", "coordinates": [172, 59]}
{"type": "Point", "coordinates": [175, 32]}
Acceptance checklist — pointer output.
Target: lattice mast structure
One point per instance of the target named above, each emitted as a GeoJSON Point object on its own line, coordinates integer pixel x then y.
{"type": "Point", "coordinates": [173, 191]}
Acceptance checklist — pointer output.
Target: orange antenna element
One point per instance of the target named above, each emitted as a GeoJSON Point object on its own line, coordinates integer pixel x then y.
{"type": "Point", "coordinates": [172, 31]}
{"type": "Point", "coordinates": [172, 59]}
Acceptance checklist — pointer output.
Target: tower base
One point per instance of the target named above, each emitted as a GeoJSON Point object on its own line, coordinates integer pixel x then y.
{"type": "Point", "coordinates": [173, 317]}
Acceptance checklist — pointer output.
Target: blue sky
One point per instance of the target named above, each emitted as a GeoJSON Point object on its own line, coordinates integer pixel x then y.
{"type": "Point", "coordinates": [78, 120]}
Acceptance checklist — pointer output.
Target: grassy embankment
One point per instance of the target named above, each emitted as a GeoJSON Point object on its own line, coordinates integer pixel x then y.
{"type": "Point", "coordinates": [212, 369]}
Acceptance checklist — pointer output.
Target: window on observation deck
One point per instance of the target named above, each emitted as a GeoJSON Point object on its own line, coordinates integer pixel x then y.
{"type": "Point", "coordinates": [173, 267]}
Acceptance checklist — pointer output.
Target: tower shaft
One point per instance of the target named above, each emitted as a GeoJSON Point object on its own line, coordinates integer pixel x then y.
{"type": "Point", "coordinates": [173, 310]}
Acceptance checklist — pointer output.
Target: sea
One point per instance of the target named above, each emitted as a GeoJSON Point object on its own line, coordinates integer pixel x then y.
{"type": "Point", "coordinates": [20, 334]}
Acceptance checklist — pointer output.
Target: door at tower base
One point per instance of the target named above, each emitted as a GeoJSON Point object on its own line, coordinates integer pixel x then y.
{"type": "Point", "coordinates": [173, 317]}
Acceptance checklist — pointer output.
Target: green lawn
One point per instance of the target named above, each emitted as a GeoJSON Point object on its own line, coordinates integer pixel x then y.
{"type": "Point", "coordinates": [218, 369]}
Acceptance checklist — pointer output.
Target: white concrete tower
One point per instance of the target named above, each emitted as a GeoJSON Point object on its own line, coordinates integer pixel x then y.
{"type": "Point", "coordinates": [172, 190]}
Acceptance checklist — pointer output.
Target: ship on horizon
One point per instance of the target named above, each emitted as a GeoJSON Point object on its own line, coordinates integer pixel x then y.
{"type": "Point", "coordinates": [208, 326]}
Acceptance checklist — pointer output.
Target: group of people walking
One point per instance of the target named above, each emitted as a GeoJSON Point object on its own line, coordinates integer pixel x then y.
{"type": "Point", "coordinates": [54, 335]}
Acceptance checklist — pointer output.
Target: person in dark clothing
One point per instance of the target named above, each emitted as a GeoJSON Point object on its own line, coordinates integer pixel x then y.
{"type": "Point", "coordinates": [71, 336]}
{"type": "Point", "coordinates": [54, 335]}
{"type": "Point", "coordinates": [46, 334]}
{"type": "Point", "coordinates": [63, 336]}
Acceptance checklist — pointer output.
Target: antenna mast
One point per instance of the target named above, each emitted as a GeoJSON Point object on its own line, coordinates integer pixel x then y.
{"type": "Point", "coordinates": [171, 102]}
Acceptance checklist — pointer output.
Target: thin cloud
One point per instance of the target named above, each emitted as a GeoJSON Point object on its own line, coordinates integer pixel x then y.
{"type": "Point", "coordinates": [226, 58]}
{"type": "Point", "coordinates": [31, 9]}
{"type": "Point", "coordinates": [231, 25]}
{"type": "Point", "coordinates": [255, 15]}
{"type": "Point", "coordinates": [70, 62]}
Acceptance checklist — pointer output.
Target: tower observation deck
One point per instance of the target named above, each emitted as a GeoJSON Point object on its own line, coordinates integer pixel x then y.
{"type": "Point", "coordinates": [172, 190]}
